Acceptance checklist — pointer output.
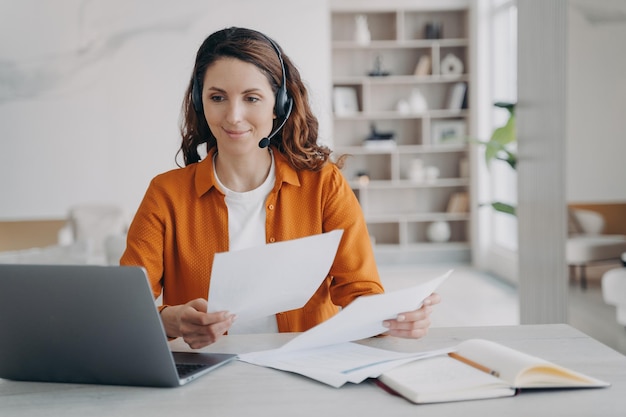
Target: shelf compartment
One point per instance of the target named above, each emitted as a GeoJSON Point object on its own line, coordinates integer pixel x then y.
{"type": "Point", "coordinates": [417, 232]}
{"type": "Point", "coordinates": [377, 167]}
{"type": "Point", "coordinates": [353, 133]}
{"type": "Point", "coordinates": [449, 164]}
{"type": "Point", "coordinates": [399, 61]}
{"type": "Point", "coordinates": [377, 202]}
{"type": "Point", "coordinates": [453, 23]}
{"type": "Point", "coordinates": [384, 233]}
{"type": "Point", "coordinates": [385, 97]}
{"type": "Point", "coordinates": [457, 51]}
{"type": "Point", "coordinates": [382, 25]}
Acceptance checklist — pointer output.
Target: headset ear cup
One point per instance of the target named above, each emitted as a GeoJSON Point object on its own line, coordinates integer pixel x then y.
{"type": "Point", "coordinates": [282, 103]}
{"type": "Point", "coordinates": [196, 96]}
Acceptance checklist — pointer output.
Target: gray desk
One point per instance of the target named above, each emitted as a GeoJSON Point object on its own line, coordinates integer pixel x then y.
{"type": "Point", "coordinates": [241, 389]}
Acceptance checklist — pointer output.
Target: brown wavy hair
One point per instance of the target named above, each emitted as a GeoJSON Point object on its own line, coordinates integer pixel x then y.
{"type": "Point", "coordinates": [297, 140]}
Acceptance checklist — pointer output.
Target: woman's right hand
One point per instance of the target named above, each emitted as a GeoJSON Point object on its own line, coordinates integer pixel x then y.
{"type": "Point", "coordinates": [197, 327]}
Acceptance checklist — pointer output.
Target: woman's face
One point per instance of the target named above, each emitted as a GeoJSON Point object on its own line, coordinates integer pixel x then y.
{"type": "Point", "coordinates": [238, 105]}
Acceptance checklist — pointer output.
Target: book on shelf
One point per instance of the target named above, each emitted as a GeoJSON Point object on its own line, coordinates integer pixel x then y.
{"type": "Point", "coordinates": [423, 66]}
{"type": "Point", "coordinates": [479, 369]}
{"type": "Point", "coordinates": [456, 96]}
{"type": "Point", "coordinates": [458, 203]}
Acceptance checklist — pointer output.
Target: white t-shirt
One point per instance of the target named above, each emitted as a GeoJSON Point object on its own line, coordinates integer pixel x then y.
{"type": "Point", "coordinates": [246, 228]}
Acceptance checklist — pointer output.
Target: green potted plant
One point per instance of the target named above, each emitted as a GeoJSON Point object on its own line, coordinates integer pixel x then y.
{"type": "Point", "coordinates": [499, 147]}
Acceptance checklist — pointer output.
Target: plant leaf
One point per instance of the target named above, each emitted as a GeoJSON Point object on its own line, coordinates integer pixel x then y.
{"type": "Point", "coordinates": [504, 208]}
{"type": "Point", "coordinates": [501, 137]}
{"type": "Point", "coordinates": [506, 105]}
{"type": "Point", "coordinates": [505, 134]}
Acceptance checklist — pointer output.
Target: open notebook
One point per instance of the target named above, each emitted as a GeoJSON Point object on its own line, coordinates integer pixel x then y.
{"type": "Point", "coordinates": [89, 324]}
{"type": "Point", "coordinates": [478, 369]}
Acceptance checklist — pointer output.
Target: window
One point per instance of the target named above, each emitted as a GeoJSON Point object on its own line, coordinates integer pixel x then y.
{"type": "Point", "coordinates": [503, 179]}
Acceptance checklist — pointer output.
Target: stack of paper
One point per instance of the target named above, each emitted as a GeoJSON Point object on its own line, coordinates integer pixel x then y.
{"type": "Point", "coordinates": [245, 283]}
{"type": "Point", "coordinates": [326, 352]}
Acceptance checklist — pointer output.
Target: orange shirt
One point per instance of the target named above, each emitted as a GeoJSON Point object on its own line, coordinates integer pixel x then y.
{"type": "Point", "coordinates": [183, 221]}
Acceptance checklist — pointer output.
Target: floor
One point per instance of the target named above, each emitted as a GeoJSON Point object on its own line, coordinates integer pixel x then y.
{"type": "Point", "coordinates": [475, 298]}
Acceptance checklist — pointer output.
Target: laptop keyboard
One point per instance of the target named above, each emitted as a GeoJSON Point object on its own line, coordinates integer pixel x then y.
{"type": "Point", "coordinates": [185, 369]}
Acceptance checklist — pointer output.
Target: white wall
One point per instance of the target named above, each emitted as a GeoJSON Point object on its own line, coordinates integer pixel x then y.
{"type": "Point", "coordinates": [596, 144]}
{"type": "Point", "coordinates": [91, 91]}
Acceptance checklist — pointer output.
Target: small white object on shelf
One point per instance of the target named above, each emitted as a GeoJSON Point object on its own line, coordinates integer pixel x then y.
{"type": "Point", "coordinates": [432, 173]}
{"type": "Point", "coordinates": [418, 101]}
{"type": "Point", "coordinates": [362, 34]}
{"type": "Point", "coordinates": [451, 65]}
{"type": "Point", "coordinates": [403, 107]}
{"type": "Point", "coordinates": [416, 170]}
{"type": "Point", "coordinates": [438, 231]}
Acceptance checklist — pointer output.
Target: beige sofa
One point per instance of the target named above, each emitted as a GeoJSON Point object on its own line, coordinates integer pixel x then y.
{"type": "Point", "coordinates": [93, 234]}
{"type": "Point", "coordinates": [587, 244]}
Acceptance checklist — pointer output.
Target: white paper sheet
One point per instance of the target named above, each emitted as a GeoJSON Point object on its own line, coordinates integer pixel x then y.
{"type": "Point", "coordinates": [265, 280]}
{"type": "Point", "coordinates": [364, 316]}
{"type": "Point", "coordinates": [337, 364]}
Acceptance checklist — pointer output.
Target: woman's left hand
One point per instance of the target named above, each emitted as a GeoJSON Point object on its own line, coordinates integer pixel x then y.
{"type": "Point", "coordinates": [413, 324]}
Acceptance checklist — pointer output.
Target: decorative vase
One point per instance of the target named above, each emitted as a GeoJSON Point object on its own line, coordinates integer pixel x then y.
{"type": "Point", "coordinates": [403, 107]}
{"type": "Point", "coordinates": [417, 101]}
{"type": "Point", "coordinates": [451, 65]}
{"type": "Point", "coordinates": [438, 231]}
{"type": "Point", "coordinates": [362, 33]}
{"type": "Point", "coordinates": [416, 170]}
{"type": "Point", "coordinates": [432, 173]}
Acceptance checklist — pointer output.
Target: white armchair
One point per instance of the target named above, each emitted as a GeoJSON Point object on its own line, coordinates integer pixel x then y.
{"type": "Point", "coordinates": [587, 244]}
{"type": "Point", "coordinates": [614, 290]}
{"type": "Point", "coordinates": [102, 227]}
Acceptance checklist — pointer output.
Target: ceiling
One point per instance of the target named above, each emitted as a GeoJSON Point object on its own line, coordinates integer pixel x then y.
{"type": "Point", "coordinates": [601, 12]}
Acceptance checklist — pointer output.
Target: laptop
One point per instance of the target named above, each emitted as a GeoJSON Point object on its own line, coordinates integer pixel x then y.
{"type": "Point", "coordinates": [91, 325]}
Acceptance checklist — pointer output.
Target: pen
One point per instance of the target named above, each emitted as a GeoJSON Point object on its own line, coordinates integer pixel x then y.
{"type": "Point", "coordinates": [474, 364]}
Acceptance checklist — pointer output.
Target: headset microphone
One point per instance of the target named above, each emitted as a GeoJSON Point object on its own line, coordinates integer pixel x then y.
{"type": "Point", "coordinates": [265, 142]}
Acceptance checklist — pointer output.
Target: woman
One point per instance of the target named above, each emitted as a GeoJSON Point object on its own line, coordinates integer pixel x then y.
{"type": "Point", "coordinates": [264, 179]}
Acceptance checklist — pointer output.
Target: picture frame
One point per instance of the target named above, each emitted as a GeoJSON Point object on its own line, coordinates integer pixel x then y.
{"type": "Point", "coordinates": [345, 101]}
{"type": "Point", "coordinates": [448, 132]}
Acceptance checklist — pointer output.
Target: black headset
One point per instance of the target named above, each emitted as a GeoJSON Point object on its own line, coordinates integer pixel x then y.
{"type": "Point", "coordinates": [282, 106]}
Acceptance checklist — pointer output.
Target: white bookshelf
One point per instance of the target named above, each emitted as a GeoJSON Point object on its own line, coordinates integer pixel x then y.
{"type": "Point", "coordinates": [400, 204]}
